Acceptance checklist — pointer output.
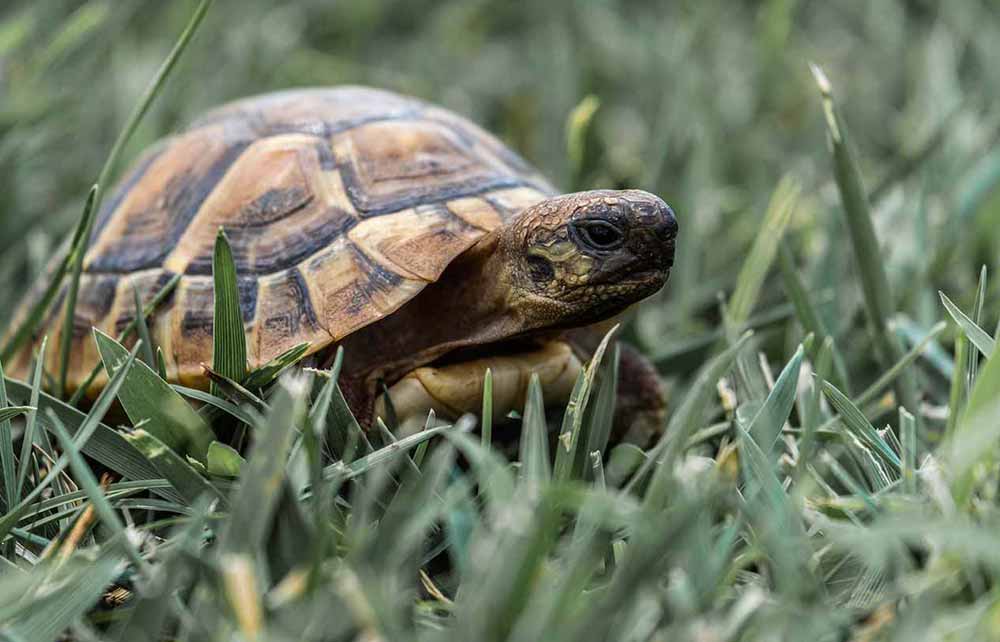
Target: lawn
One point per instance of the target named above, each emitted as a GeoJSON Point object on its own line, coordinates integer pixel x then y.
{"type": "Point", "coordinates": [828, 468]}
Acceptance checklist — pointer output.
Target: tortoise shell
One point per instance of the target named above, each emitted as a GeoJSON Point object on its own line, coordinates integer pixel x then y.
{"type": "Point", "coordinates": [340, 205]}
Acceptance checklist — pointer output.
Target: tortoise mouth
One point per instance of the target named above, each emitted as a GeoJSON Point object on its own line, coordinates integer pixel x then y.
{"type": "Point", "coordinates": [656, 276]}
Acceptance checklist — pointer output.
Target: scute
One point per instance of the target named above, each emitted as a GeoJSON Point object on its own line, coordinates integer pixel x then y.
{"type": "Point", "coordinates": [340, 205]}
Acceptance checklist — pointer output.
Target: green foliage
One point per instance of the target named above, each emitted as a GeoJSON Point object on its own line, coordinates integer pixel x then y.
{"type": "Point", "coordinates": [779, 502]}
{"type": "Point", "coordinates": [151, 403]}
{"type": "Point", "coordinates": [229, 345]}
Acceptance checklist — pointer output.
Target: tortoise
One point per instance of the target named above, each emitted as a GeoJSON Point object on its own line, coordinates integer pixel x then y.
{"type": "Point", "coordinates": [378, 222]}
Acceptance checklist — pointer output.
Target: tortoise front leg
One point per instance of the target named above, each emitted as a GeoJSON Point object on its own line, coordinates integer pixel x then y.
{"type": "Point", "coordinates": [457, 388]}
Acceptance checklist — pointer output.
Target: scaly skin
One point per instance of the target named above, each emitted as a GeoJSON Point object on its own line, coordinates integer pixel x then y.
{"type": "Point", "coordinates": [567, 262]}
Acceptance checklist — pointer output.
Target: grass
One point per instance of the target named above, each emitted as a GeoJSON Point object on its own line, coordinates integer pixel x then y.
{"type": "Point", "coordinates": [781, 502]}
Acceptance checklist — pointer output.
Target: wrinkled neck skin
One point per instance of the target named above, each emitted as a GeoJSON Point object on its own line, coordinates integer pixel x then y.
{"type": "Point", "coordinates": [469, 305]}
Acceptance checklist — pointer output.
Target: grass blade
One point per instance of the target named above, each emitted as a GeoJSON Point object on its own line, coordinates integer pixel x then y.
{"type": "Point", "coordinates": [79, 248]}
{"type": "Point", "coordinates": [858, 424]}
{"type": "Point", "coordinates": [224, 461]}
{"type": "Point", "coordinates": [979, 337]}
{"type": "Point", "coordinates": [808, 316]}
{"type": "Point", "coordinates": [229, 346]}
{"type": "Point", "coordinates": [342, 471]}
{"type": "Point", "coordinates": [181, 475]}
{"type": "Point", "coordinates": [38, 310]}
{"type": "Point", "coordinates": [268, 373]}
{"type": "Point", "coordinates": [222, 404]}
{"type": "Point", "coordinates": [959, 385]}
{"type": "Point", "coordinates": [748, 284]}
{"type": "Point", "coordinates": [126, 333]}
{"type": "Point", "coordinates": [765, 428]}
{"type": "Point", "coordinates": [577, 125]}
{"type": "Point", "coordinates": [534, 447]}
{"type": "Point", "coordinates": [908, 437]}
{"type": "Point", "coordinates": [85, 477]}
{"type": "Point", "coordinates": [67, 594]}
{"type": "Point", "coordinates": [487, 413]}
{"type": "Point", "coordinates": [106, 446]}
{"type": "Point", "coordinates": [148, 352]}
{"type": "Point", "coordinates": [601, 414]}
{"type": "Point", "coordinates": [150, 402]}
{"type": "Point", "coordinates": [682, 425]}
{"type": "Point", "coordinates": [571, 455]}
{"type": "Point", "coordinates": [261, 484]}
{"type": "Point", "coordinates": [867, 253]}
{"type": "Point", "coordinates": [77, 251]}
{"type": "Point", "coordinates": [7, 462]}
{"type": "Point", "coordinates": [28, 439]}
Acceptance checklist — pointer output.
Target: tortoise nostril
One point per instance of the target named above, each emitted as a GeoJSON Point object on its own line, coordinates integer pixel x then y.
{"type": "Point", "coordinates": [670, 222]}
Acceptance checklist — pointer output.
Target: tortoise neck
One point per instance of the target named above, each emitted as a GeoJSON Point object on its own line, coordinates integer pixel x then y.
{"type": "Point", "coordinates": [470, 304]}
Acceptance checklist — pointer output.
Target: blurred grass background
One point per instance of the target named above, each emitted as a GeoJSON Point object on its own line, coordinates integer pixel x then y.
{"type": "Point", "coordinates": [788, 518]}
{"type": "Point", "coordinates": [706, 103]}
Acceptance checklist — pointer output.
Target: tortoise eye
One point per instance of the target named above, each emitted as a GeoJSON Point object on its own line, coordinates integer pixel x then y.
{"type": "Point", "coordinates": [600, 235]}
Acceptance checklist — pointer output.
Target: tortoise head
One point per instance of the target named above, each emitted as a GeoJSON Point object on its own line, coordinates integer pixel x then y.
{"type": "Point", "coordinates": [581, 258]}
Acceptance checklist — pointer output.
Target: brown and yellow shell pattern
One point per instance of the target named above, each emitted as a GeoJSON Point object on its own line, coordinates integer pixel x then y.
{"type": "Point", "coordinates": [340, 205]}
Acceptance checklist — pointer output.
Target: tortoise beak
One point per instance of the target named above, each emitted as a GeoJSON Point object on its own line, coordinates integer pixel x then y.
{"type": "Point", "coordinates": [653, 238]}
{"type": "Point", "coordinates": [666, 231]}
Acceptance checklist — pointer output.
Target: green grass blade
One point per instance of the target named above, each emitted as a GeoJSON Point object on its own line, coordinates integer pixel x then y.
{"type": "Point", "coordinates": [85, 477]}
{"type": "Point", "coordinates": [979, 337]}
{"type": "Point", "coordinates": [145, 620]}
{"type": "Point", "coordinates": [908, 437]}
{"type": "Point", "coordinates": [534, 446]}
{"type": "Point", "coordinates": [149, 94]}
{"type": "Point", "coordinates": [486, 416]}
{"type": "Point", "coordinates": [225, 386]}
{"type": "Point", "coordinates": [28, 439]}
{"type": "Point", "coordinates": [107, 446]}
{"type": "Point", "coordinates": [867, 253]}
{"type": "Point", "coordinates": [86, 427]}
{"type": "Point", "coordinates": [172, 467]}
{"type": "Point", "coordinates": [66, 595]}
{"type": "Point", "coordinates": [148, 349]}
{"type": "Point", "coordinates": [977, 313]}
{"type": "Point", "coordinates": [987, 385]}
{"type": "Point", "coordinates": [150, 402]}
{"type": "Point", "coordinates": [320, 409]}
{"type": "Point", "coordinates": [571, 453]}
{"type": "Point", "coordinates": [974, 439]}
{"type": "Point", "coordinates": [256, 499]}
{"type": "Point", "coordinates": [224, 461]}
{"type": "Point", "coordinates": [8, 413]}
{"type": "Point", "coordinates": [683, 423]}
{"type": "Point", "coordinates": [858, 424]}
{"type": "Point", "coordinates": [343, 430]}
{"type": "Point", "coordinates": [577, 125]}
{"type": "Point", "coordinates": [886, 378]}
{"type": "Point", "coordinates": [161, 363]}
{"type": "Point", "coordinates": [808, 315]}
{"type": "Point", "coordinates": [268, 373]}
{"type": "Point", "coordinates": [126, 333]}
{"type": "Point", "coordinates": [751, 277]}
{"type": "Point", "coordinates": [959, 385]}
{"type": "Point", "coordinates": [601, 413]}
{"type": "Point", "coordinates": [229, 346]}
{"type": "Point", "coordinates": [7, 462]}
{"type": "Point", "coordinates": [811, 416]}
{"type": "Point", "coordinates": [228, 407]}
{"type": "Point", "coordinates": [77, 252]}
{"type": "Point", "coordinates": [362, 465]}
{"type": "Point", "coordinates": [765, 428]}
